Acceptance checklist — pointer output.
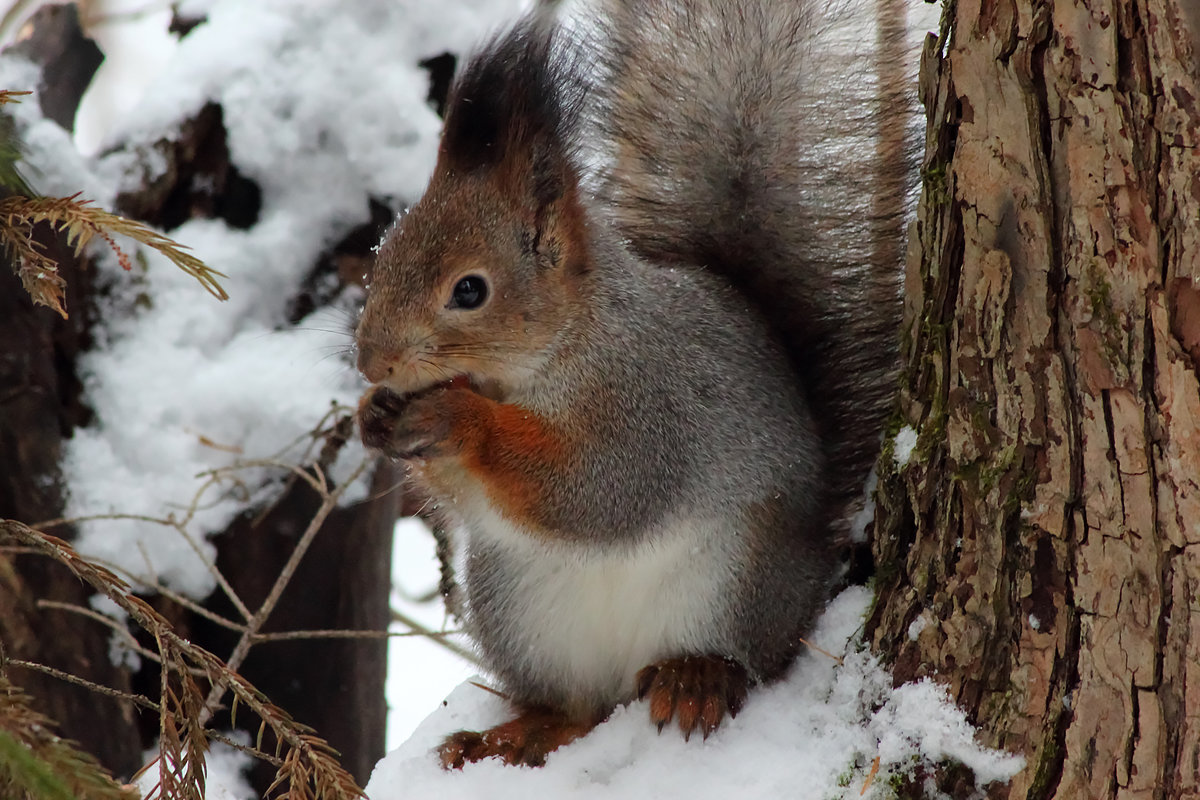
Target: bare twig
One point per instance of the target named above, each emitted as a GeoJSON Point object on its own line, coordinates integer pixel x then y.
{"type": "Point", "coordinates": [139, 700]}
{"type": "Point", "coordinates": [821, 650]}
{"type": "Point", "coordinates": [317, 482]}
{"type": "Point", "coordinates": [130, 640]}
{"type": "Point", "coordinates": [309, 759]}
{"type": "Point", "coordinates": [99, 688]}
{"type": "Point", "coordinates": [211, 567]}
{"type": "Point", "coordinates": [175, 597]}
{"type": "Point", "coordinates": [345, 634]}
{"type": "Point", "coordinates": [489, 689]}
{"type": "Point", "coordinates": [245, 748]}
{"type": "Point", "coordinates": [425, 597]}
{"type": "Point", "coordinates": [184, 709]}
{"type": "Point", "coordinates": [434, 636]}
{"type": "Point", "coordinates": [242, 648]}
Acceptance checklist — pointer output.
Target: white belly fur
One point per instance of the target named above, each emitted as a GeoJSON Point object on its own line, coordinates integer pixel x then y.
{"type": "Point", "coordinates": [588, 618]}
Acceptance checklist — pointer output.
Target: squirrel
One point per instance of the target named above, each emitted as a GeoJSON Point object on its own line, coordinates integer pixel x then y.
{"type": "Point", "coordinates": [636, 344]}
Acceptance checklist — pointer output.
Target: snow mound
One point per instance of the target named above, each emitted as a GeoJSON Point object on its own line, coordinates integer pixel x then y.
{"type": "Point", "coordinates": [814, 735]}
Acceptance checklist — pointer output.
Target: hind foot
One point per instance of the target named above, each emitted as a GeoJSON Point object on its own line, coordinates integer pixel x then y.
{"type": "Point", "coordinates": [526, 740]}
{"type": "Point", "coordinates": [696, 690]}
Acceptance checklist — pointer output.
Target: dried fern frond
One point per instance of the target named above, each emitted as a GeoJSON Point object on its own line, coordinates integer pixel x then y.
{"type": "Point", "coordinates": [82, 222]}
{"type": "Point", "coordinates": [307, 767]}
{"type": "Point", "coordinates": [37, 271]}
{"type": "Point", "coordinates": [35, 763]}
{"type": "Point", "coordinates": [310, 769]}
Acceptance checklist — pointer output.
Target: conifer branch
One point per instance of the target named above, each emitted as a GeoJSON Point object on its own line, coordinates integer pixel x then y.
{"type": "Point", "coordinates": [35, 762]}
{"type": "Point", "coordinates": [82, 222]}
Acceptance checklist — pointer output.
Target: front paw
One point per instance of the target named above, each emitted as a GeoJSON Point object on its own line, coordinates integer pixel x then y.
{"type": "Point", "coordinates": [406, 426]}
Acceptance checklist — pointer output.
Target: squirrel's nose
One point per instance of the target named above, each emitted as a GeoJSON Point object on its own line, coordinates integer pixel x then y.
{"type": "Point", "coordinates": [376, 365]}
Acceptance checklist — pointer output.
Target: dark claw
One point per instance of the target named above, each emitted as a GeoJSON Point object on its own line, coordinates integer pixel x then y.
{"type": "Point", "coordinates": [662, 697]}
{"type": "Point", "coordinates": [459, 748]}
{"type": "Point", "coordinates": [711, 714]}
{"type": "Point", "coordinates": [687, 706]}
{"type": "Point", "coordinates": [735, 691]}
{"type": "Point", "coordinates": [697, 690]}
{"type": "Point", "coordinates": [645, 679]}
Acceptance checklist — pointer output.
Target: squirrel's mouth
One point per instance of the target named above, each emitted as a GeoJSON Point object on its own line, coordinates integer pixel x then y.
{"type": "Point", "coordinates": [488, 388]}
{"type": "Point", "coordinates": [457, 382]}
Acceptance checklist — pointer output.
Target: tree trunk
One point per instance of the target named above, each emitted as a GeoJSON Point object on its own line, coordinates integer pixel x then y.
{"type": "Point", "coordinates": [38, 400]}
{"type": "Point", "coordinates": [1043, 535]}
{"type": "Point", "coordinates": [39, 406]}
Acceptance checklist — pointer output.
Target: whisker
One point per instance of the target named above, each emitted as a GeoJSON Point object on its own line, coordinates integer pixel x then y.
{"type": "Point", "coordinates": [442, 371]}
{"type": "Point", "coordinates": [487, 357]}
{"type": "Point", "coordinates": [335, 355]}
{"type": "Point", "coordinates": [308, 329]}
{"type": "Point", "coordinates": [424, 506]}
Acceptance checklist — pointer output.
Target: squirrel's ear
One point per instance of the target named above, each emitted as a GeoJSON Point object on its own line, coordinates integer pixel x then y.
{"type": "Point", "coordinates": [512, 116]}
{"type": "Point", "coordinates": [550, 172]}
{"type": "Point", "coordinates": [556, 230]}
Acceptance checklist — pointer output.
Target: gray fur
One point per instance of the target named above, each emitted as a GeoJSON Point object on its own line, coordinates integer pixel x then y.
{"type": "Point", "coordinates": [747, 144]}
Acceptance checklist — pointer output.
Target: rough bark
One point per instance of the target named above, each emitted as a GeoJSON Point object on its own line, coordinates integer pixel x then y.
{"type": "Point", "coordinates": [1046, 525]}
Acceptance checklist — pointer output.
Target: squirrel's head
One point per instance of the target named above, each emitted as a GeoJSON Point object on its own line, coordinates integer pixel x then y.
{"type": "Point", "coordinates": [480, 278]}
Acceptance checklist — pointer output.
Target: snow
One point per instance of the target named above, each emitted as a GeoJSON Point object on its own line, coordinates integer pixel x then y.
{"type": "Point", "coordinates": [136, 48]}
{"type": "Point", "coordinates": [813, 735]}
{"type": "Point", "coordinates": [224, 778]}
{"type": "Point", "coordinates": [226, 773]}
{"type": "Point", "coordinates": [919, 624]}
{"type": "Point", "coordinates": [920, 720]}
{"type": "Point", "coordinates": [904, 444]}
{"type": "Point", "coordinates": [864, 517]}
{"type": "Point", "coordinates": [419, 670]}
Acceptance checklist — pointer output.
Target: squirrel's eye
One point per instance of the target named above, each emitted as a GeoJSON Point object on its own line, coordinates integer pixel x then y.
{"type": "Point", "coordinates": [469, 292]}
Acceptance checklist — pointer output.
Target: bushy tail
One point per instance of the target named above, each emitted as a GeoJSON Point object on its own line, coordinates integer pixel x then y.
{"type": "Point", "coordinates": [762, 140]}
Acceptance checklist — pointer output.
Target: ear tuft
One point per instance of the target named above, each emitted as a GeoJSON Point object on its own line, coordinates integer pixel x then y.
{"type": "Point", "coordinates": [518, 101]}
